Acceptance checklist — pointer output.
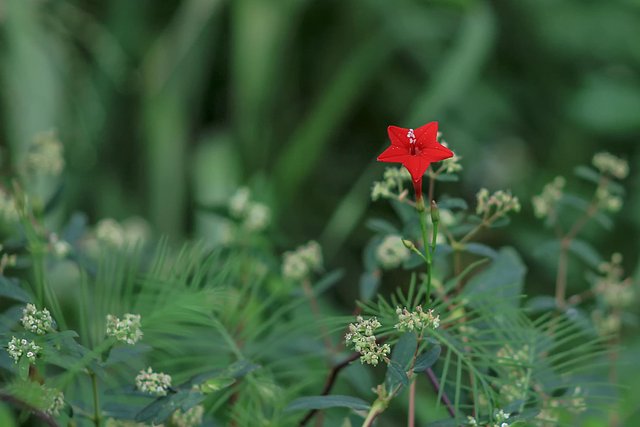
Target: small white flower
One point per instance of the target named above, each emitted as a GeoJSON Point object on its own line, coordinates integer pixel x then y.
{"type": "Point", "coordinates": [257, 217]}
{"type": "Point", "coordinates": [298, 264]}
{"type": "Point", "coordinates": [17, 348]}
{"type": "Point", "coordinates": [37, 321]}
{"type": "Point", "coordinates": [239, 202]}
{"type": "Point", "coordinates": [59, 248]}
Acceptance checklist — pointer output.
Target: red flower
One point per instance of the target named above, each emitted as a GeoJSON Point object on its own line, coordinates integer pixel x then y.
{"type": "Point", "coordinates": [416, 150]}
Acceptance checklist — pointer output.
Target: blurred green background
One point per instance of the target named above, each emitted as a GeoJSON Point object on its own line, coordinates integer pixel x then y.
{"type": "Point", "coordinates": [165, 107]}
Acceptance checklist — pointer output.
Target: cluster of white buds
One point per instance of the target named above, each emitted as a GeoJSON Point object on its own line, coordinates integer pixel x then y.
{"type": "Point", "coordinates": [392, 252]}
{"type": "Point", "coordinates": [110, 232]}
{"type": "Point", "coordinates": [22, 347]}
{"type": "Point", "coordinates": [452, 164]}
{"type": "Point", "coordinates": [471, 421]}
{"type": "Point", "coordinates": [128, 330]}
{"type": "Point", "coordinates": [516, 385]}
{"type": "Point", "coordinates": [552, 408]}
{"type": "Point", "coordinates": [417, 320]}
{"type": "Point", "coordinates": [607, 200]}
{"type": "Point", "coordinates": [300, 263]}
{"type": "Point", "coordinates": [190, 418]}
{"type": "Point", "coordinates": [45, 154]}
{"type": "Point", "coordinates": [361, 336]}
{"type": "Point", "coordinates": [255, 216]}
{"type": "Point", "coordinates": [155, 383]}
{"type": "Point", "coordinates": [128, 233]}
{"type": "Point", "coordinates": [544, 203]}
{"type": "Point", "coordinates": [497, 204]}
{"type": "Point", "coordinates": [57, 401]}
{"type": "Point", "coordinates": [8, 208]}
{"type": "Point", "coordinates": [392, 185]}
{"type": "Point", "coordinates": [616, 291]}
{"type": "Point", "coordinates": [37, 321]}
{"type": "Point", "coordinates": [500, 417]}
{"type": "Point", "coordinates": [609, 164]}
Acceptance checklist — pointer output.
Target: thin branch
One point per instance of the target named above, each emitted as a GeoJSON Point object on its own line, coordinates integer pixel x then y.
{"type": "Point", "coordinates": [436, 386]}
{"type": "Point", "coordinates": [329, 382]}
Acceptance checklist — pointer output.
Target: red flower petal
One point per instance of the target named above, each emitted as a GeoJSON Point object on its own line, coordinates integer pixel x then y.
{"type": "Point", "coordinates": [398, 137]}
{"type": "Point", "coordinates": [428, 132]}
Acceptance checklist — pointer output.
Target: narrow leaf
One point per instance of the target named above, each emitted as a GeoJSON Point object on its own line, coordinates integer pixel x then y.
{"type": "Point", "coordinates": [324, 402]}
{"type": "Point", "coordinates": [427, 359]}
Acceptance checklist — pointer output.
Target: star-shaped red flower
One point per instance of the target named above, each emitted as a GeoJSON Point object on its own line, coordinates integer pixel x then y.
{"type": "Point", "coordinates": [416, 150]}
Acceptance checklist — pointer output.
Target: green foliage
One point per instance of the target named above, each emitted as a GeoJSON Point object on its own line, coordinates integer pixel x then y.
{"type": "Point", "coordinates": [165, 109]}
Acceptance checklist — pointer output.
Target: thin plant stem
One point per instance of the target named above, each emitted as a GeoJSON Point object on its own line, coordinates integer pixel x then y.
{"type": "Point", "coordinates": [563, 257]}
{"type": "Point", "coordinates": [422, 214]}
{"type": "Point", "coordinates": [412, 404]}
{"type": "Point", "coordinates": [376, 409]}
{"type": "Point", "coordinates": [436, 386]}
{"type": "Point", "coordinates": [97, 415]}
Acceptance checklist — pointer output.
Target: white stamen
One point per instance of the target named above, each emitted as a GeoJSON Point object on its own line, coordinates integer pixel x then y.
{"type": "Point", "coordinates": [411, 136]}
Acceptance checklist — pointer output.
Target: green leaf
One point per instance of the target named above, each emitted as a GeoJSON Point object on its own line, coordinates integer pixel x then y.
{"type": "Point", "coordinates": [453, 203]}
{"type": "Point", "coordinates": [405, 349]}
{"type": "Point", "coordinates": [541, 303]}
{"type": "Point", "coordinates": [401, 357]}
{"type": "Point", "coordinates": [585, 252]}
{"type": "Point", "coordinates": [427, 359]}
{"type": "Point", "coordinates": [501, 222]}
{"type": "Point", "coordinates": [120, 354]}
{"type": "Point", "coordinates": [503, 280]}
{"type": "Point", "coordinates": [216, 384]}
{"type": "Point", "coordinates": [369, 282]}
{"type": "Point", "coordinates": [328, 280]}
{"type": "Point", "coordinates": [449, 177]}
{"type": "Point", "coordinates": [577, 247]}
{"type": "Point", "coordinates": [396, 375]}
{"type": "Point", "coordinates": [382, 226]}
{"type": "Point", "coordinates": [587, 173]}
{"type": "Point", "coordinates": [604, 220]}
{"type": "Point", "coordinates": [575, 201]}
{"type": "Point", "coordinates": [480, 249]}
{"type": "Point", "coordinates": [10, 288]}
{"type": "Point", "coordinates": [324, 402]}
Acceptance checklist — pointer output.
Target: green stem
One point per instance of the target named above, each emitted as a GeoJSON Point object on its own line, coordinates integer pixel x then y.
{"type": "Point", "coordinates": [97, 417]}
{"type": "Point", "coordinates": [377, 408]}
{"type": "Point", "coordinates": [422, 213]}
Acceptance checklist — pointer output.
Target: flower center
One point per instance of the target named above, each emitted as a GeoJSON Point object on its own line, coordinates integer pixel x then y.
{"type": "Point", "coordinates": [412, 143]}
